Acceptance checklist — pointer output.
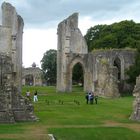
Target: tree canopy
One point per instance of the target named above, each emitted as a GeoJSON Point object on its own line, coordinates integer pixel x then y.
{"type": "Point", "coordinates": [48, 65]}
{"type": "Point", "coordinates": [117, 35]}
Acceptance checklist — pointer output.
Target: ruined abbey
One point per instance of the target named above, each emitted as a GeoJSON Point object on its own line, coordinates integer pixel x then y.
{"type": "Point", "coordinates": [104, 70]}
{"type": "Point", "coordinates": [32, 76]}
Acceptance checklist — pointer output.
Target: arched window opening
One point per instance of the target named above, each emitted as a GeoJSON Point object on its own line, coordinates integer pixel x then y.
{"type": "Point", "coordinates": [77, 75]}
{"type": "Point", "coordinates": [117, 63]}
{"type": "Point", "coordinates": [29, 80]}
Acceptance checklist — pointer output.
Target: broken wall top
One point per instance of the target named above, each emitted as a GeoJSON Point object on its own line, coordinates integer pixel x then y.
{"type": "Point", "coordinates": [9, 15]}
{"type": "Point", "coordinates": [71, 21]}
{"type": "Point", "coordinates": [11, 32]}
{"type": "Point", "coordinates": [70, 38]}
{"type": "Point", "coordinates": [11, 28]}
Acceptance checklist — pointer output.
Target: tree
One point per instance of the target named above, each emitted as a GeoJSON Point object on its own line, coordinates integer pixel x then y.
{"type": "Point", "coordinates": [93, 34]}
{"type": "Point", "coordinates": [48, 65]}
{"type": "Point", "coordinates": [117, 35]}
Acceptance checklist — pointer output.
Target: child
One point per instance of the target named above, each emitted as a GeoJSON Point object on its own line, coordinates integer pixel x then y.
{"type": "Point", "coordinates": [28, 95]}
{"type": "Point", "coordinates": [35, 96]}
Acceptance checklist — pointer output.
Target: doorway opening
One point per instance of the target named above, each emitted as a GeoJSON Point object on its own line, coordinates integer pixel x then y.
{"type": "Point", "coordinates": [117, 64]}
{"type": "Point", "coordinates": [29, 80]}
{"type": "Point", "coordinates": [77, 77]}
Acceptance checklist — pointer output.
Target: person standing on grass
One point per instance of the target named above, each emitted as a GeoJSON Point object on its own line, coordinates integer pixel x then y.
{"type": "Point", "coordinates": [96, 98]}
{"type": "Point", "coordinates": [35, 96]}
{"type": "Point", "coordinates": [91, 98]}
{"type": "Point", "coordinates": [28, 95]}
{"type": "Point", "coordinates": [87, 98]}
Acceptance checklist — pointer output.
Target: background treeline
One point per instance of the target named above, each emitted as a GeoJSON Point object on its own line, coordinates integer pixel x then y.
{"type": "Point", "coordinates": [117, 35]}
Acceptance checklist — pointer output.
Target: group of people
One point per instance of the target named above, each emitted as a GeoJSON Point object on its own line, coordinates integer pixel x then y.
{"type": "Point", "coordinates": [90, 97]}
{"type": "Point", "coordinates": [35, 98]}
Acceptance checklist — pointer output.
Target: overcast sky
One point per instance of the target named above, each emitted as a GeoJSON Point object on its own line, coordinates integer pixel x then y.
{"type": "Point", "coordinates": [41, 18]}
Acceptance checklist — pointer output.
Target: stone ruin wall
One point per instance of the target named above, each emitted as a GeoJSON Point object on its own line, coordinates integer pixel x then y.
{"type": "Point", "coordinates": [36, 74]}
{"type": "Point", "coordinates": [13, 107]}
{"type": "Point", "coordinates": [11, 33]}
{"type": "Point", "coordinates": [72, 49]}
{"type": "Point", "coordinates": [136, 103]}
{"type": "Point", "coordinates": [70, 40]}
{"type": "Point", "coordinates": [105, 73]}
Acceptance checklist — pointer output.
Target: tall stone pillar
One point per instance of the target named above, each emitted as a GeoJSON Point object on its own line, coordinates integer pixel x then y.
{"type": "Point", "coordinates": [70, 40]}
{"type": "Point", "coordinates": [12, 20]}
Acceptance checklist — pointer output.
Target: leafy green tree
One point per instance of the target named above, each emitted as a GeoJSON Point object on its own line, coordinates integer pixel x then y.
{"type": "Point", "coordinates": [117, 35]}
{"type": "Point", "coordinates": [93, 34]}
{"type": "Point", "coordinates": [48, 65]}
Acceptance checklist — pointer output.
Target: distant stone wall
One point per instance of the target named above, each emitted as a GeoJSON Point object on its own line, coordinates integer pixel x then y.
{"type": "Point", "coordinates": [72, 49]}
{"type": "Point", "coordinates": [36, 76]}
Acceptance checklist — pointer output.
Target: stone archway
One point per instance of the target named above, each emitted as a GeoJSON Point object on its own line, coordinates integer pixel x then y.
{"type": "Point", "coordinates": [72, 49]}
{"type": "Point", "coordinates": [118, 62]}
{"type": "Point", "coordinates": [70, 70]}
{"type": "Point", "coordinates": [77, 75]}
{"type": "Point", "coordinates": [32, 76]}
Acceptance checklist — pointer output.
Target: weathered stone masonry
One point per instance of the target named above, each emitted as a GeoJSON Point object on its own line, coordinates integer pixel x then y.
{"type": "Point", "coordinates": [13, 107]}
{"type": "Point", "coordinates": [32, 76]}
{"type": "Point", "coordinates": [136, 103]}
{"type": "Point", "coordinates": [100, 68]}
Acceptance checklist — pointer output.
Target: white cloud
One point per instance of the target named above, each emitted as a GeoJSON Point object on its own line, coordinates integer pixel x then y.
{"type": "Point", "coordinates": [35, 43]}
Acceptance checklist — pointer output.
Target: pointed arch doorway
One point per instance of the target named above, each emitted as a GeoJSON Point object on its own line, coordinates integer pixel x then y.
{"type": "Point", "coordinates": [118, 63]}
{"type": "Point", "coordinates": [77, 77]}
{"type": "Point", "coordinates": [76, 74]}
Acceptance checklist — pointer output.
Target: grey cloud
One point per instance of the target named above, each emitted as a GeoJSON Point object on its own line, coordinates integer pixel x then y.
{"type": "Point", "coordinates": [48, 12]}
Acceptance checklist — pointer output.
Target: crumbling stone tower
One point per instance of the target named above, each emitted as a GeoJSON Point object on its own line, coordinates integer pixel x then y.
{"type": "Point", "coordinates": [70, 41]}
{"type": "Point", "coordinates": [13, 107]}
{"type": "Point", "coordinates": [11, 41]}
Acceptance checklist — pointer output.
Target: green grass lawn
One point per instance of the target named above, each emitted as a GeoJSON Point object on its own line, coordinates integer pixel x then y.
{"type": "Point", "coordinates": [66, 120]}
